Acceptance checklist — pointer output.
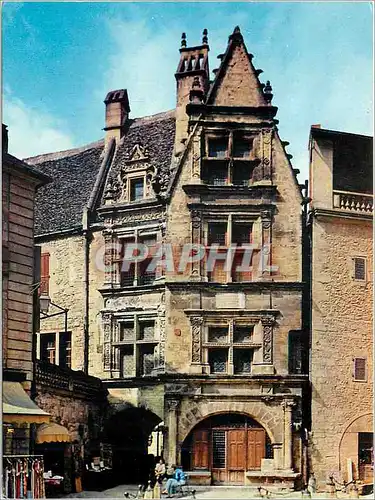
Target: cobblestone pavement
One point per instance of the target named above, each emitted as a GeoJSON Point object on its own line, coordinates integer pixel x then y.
{"type": "Point", "coordinates": [214, 492]}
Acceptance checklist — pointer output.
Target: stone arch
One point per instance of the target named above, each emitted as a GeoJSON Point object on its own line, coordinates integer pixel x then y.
{"type": "Point", "coordinates": [128, 431]}
{"type": "Point", "coordinates": [349, 439]}
{"type": "Point", "coordinates": [269, 417]}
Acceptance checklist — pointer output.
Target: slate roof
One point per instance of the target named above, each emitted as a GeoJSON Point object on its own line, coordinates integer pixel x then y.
{"type": "Point", "coordinates": [60, 204]}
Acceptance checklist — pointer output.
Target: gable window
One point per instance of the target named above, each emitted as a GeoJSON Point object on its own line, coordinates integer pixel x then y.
{"type": "Point", "coordinates": [137, 189]}
{"type": "Point", "coordinates": [360, 370]}
{"type": "Point", "coordinates": [228, 159]}
{"type": "Point", "coordinates": [359, 268]}
{"type": "Point", "coordinates": [56, 348]}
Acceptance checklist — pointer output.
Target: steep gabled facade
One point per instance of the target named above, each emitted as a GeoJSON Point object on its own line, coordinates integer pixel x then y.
{"type": "Point", "coordinates": [206, 346]}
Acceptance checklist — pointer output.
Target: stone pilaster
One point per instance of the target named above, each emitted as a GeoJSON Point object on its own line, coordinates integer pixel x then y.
{"type": "Point", "coordinates": [196, 237]}
{"type": "Point", "coordinates": [196, 163]}
{"type": "Point", "coordinates": [196, 343]}
{"type": "Point", "coordinates": [267, 154]}
{"type": "Point", "coordinates": [172, 408]}
{"type": "Point", "coordinates": [288, 434]}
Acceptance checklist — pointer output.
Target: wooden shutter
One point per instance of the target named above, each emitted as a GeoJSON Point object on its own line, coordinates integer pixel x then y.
{"type": "Point", "coordinates": [256, 448]}
{"type": "Point", "coordinates": [360, 369]}
{"type": "Point", "coordinates": [44, 274]}
{"type": "Point", "coordinates": [200, 450]}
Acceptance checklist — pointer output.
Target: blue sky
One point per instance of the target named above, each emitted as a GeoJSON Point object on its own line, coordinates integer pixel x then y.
{"type": "Point", "coordinates": [60, 60]}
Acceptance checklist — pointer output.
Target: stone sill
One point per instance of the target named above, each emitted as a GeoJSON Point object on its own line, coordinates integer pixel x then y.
{"type": "Point", "coordinates": [277, 474]}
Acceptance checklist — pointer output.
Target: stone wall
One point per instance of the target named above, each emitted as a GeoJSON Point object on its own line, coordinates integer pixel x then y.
{"type": "Point", "coordinates": [341, 331]}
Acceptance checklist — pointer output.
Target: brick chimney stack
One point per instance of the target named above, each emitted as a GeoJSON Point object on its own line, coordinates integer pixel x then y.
{"type": "Point", "coordinates": [5, 139]}
{"type": "Point", "coordinates": [193, 64]}
{"type": "Point", "coordinates": [117, 110]}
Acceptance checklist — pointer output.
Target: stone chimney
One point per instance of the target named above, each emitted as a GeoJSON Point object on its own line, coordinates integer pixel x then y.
{"type": "Point", "coordinates": [193, 66]}
{"type": "Point", "coordinates": [5, 139]}
{"type": "Point", "coordinates": [116, 114]}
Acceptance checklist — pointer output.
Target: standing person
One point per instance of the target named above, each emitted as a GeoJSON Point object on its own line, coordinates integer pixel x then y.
{"type": "Point", "coordinates": [160, 471]}
{"type": "Point", "coordinates": [172, 483]}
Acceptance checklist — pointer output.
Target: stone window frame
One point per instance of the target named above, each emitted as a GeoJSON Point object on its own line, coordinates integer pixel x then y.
{"type": "Point", "coordinates": [354, 374]}
{"type": "Point", "coordinates": [231, 135]}
{"type": "Point", "coordinates": [136, 318]}
{"type": "Point", "coordinates": [199, 320]}
{"type": "Point", "coordinates": [136, 235]}
{"type": "Point", "coordinates": [230, 218]}
{"type": "Point", "coordinates": [231, 345]}
{"type": "Point", "coordinates": [58, 335]}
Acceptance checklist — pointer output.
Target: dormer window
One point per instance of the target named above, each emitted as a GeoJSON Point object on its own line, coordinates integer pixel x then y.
{"type": "Point", "coordinates": [242, 147]}
{"type": "Point", "coordinates": [137, 189]}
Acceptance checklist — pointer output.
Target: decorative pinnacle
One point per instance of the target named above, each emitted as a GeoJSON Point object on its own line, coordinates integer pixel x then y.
{"type": "Point", "coordinates": [205, 37]}
{"type": "Point", "coordinates": [268, 88]}
{"type": "Point", "coordinates": [267, 91]}
{"type": "Point", "coordinates": [236, 30]}
{"type": "Point", "coordinates": [236, 36]}
{"type": "Point", "coordinates": [183, 40]}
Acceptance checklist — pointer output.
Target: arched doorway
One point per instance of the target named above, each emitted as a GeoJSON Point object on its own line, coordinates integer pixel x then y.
{"type": "Point", "coordinates": [227, 445]}
{"type": "Point", "coordinates": [128, 432]}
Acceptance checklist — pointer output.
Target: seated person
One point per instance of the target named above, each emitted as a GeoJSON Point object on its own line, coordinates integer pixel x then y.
{"type": "Point", "coordinates": [160, 471]}
{"type": "Point", "coordinates": [172, 483]}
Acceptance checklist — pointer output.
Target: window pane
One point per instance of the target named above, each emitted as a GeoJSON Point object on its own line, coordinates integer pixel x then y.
{"type": "Point", "coordinates": [359, 368]}
{"type": "Point", "coordinates": [218, 359]}
{"type": "Point", "coordinates": [127, 361]}
{"type": "Point", "coordinates": [127, 331]}
{"type": "Point", "coordinates": [242, 359]}
{"type": "Point", "coordinates": [242, 147]}
{"type": "Point", "coordinates": [48, 347]}
{"type": "Point", "coordinates": [241, 233]}
{"type": "Point", "coordinates": [146, 359]}
{"type": "Point", "coordinates": [216, 175]}
{"type": "Point", "coordinates": [146, 330]}
{"type": "Point", "coordinates": [365, 447]}
{"type": "Point", "coordinates": [146, 276]}
{"type": "Point", "coordinates": [359, 268]}
{"type": "Point", "coordinates": [136, 189]}
{"type": "Point", "coordinates": [65, 357]}
{"type": "Point", "coordinates": [127, 277]}
{"type": "Point", "coordinates": [242, 334]}
{"type": "Point", "coordinates": [217, 147]}
{"type": "Point", "coordinates": [218, 334]}
{"type": "Point", "coordinates": [217, 233]}
{"type": "Point", "coordinates": [241, 174]}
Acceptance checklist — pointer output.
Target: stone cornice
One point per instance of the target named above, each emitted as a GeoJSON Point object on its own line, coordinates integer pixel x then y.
{"type": "Point", "coordinates": [254, 192]}
{"type": "Point", "coordinates": [233, 287]}
{"type": "Point", "coordinates": [341, 214]}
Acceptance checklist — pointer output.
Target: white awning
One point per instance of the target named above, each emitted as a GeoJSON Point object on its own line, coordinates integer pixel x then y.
{"type": "Point", "coordinates": [19, 408]}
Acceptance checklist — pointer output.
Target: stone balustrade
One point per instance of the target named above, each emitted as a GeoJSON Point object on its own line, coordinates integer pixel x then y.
{"type": "Point", "coordinates": [351, 201]}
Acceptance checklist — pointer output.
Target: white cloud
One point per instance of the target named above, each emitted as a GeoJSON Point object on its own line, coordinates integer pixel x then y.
{"type": "Point", "coordinates": [32, 132]}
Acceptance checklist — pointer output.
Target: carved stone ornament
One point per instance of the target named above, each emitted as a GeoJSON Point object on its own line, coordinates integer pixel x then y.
{"type": "Point", "coordinates": [196, 218]}
{"type": "Point", "coordinates": [172, 404]}
{"type": "Point", "coordinates": [266, 216]}
{"type": "Point", "coordinates": [138, 153]}
{"type": "Point", "coordinates": [196, 334]}
{"type": "Point", "coordinates": [267, 339]}
{"type": "Point", "coordinates": [140, 217]}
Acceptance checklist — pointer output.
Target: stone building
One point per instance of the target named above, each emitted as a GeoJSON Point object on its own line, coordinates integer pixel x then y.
{"type": "Point", "coordinates": [209, 356]}
{"type": "Point", "coordinates": [19, 185]}
{"type": "Point", "coordinates": [341, 371]}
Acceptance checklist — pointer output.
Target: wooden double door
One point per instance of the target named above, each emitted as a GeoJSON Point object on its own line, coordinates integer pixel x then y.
{"type": "Point", "coordinates": [229, 452]}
